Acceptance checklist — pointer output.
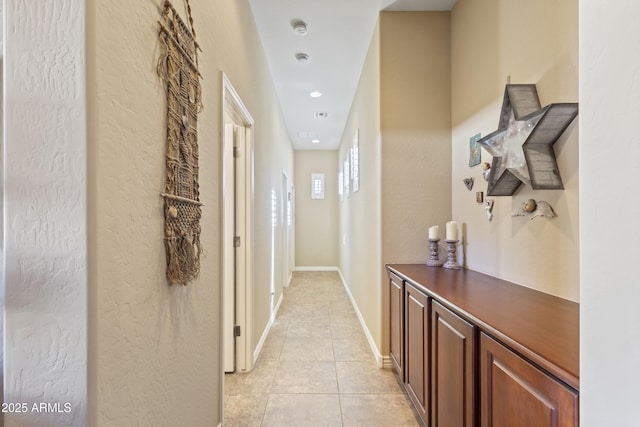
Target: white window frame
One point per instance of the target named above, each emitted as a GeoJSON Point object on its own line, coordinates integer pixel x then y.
{"type": "Point", "coordinates": [317, 186]}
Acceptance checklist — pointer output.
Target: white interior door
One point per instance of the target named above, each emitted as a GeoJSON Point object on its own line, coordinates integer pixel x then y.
{"type": "Point", "coordinates": [242, 321]}
{"type": "Point", "coordinates": [237, 232]}
{"type": "Point", "coordinates": [228, 233]}
{"type": "Point", "coordinates": [235, 245]}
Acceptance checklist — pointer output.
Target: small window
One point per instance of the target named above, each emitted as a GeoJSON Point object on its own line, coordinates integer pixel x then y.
{"type": "Point", "coordinates": [317, 186]}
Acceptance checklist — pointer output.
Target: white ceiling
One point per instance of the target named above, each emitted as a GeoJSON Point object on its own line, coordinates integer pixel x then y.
{"type": "Point", "coordinates": [337, 41]}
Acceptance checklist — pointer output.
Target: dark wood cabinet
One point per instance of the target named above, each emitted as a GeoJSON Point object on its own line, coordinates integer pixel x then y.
{"type": "Point", "coordinates": [396, 324]}
{"type": "Point", "coordinates": [453, 369]}
{"type": "Point", "coordinates": [473, 350]}
{"type": "Point", "coordinates": [417, 349]}
{"type": "Point", "coordinates": [516, 393]}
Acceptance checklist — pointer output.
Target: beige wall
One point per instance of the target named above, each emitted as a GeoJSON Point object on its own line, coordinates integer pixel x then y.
{"type": "Point", "coordinates": [155, 350]}
{"type": "Point", "coordinates": [416, 131]}
{"type": "Point", "coordinates": [401, 109]}
{"type": "Point", "coordinates": [491, 40]}
{"type": "Point", "coordinates": [316, 219]}
{"type": "Point", "coordinates": [360, 241]}
{"type": "Point", "coordinates": [416, 135]}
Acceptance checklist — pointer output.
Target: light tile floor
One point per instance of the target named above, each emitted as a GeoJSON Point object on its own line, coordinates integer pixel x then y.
{"type": "Point", "coordinates": [316, 367]}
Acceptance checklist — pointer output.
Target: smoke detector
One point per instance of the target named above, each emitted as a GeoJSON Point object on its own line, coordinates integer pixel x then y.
{"type": "Point", "coordinates": [302, 58]}
{"type": "Point", "coordinates": [300, 27]}
{"type": "Point", "coordinates": [320, 115]}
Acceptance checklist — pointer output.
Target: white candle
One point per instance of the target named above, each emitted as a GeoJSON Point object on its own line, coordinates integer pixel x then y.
{"type": "Point", "coordinates": [433, 232]}
{"type": "Point", "coordinates": [452, 230]}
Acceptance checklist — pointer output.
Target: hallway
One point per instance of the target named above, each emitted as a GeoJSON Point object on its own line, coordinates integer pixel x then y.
{"type": "Point", "coordinates": [316, 367]}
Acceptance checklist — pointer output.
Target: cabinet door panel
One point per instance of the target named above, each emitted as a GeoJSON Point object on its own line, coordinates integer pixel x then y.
{"type": "Point", "coordinates": [396, 312]}
{"type": "Point", "coordinates": [417, 349]}
{"type": "Point", "coordinates": [453, 377]}
{"type": "Point", "coordinates": [516, 393]}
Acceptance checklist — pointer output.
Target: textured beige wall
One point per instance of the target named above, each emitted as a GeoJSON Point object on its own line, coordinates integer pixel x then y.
{"type": "Point", "coordinates": [43, 287]}
{"type": "Point", "coordinates": [416, 135]}
{"type": "Point", "coordinates": [416, 126]}
{"type": "Point", "coordinates": [316, 219]}
{"type": "Point", "coordinates": [491, 40]}
{"type": "Point", "coordinates": [402, 112]}
{"type": "Point", "coordinates": [360, 260]}
{"type": "Point", "coordinates": [154, 349]}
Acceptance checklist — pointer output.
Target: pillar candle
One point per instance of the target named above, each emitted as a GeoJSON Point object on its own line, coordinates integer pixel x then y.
{"type": "Point", "coordinates": [452, 230]}
{"type": "Point", "coordinates": [433, 232]}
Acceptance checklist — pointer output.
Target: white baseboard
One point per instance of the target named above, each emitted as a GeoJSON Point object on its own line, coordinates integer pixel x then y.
{"type": "Point", "coordinates": [289, 279]}
{"type": "Point", "coordinates": [381, 361]}
{"type": "Point", "coordinates": [316, 268]}
{"type": "Point", "coordinates": [265, 333]}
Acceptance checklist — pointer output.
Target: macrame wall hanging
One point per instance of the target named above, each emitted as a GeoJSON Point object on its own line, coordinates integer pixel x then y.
{"type": "Point", "coordinates": [178, 68]}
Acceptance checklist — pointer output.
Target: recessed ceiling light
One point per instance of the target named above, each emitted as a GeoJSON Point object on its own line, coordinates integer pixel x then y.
{"type": "Point", "coordinates": [300, 27]}
{"type": "Point", "coordinates": [315, 141]}
{"type": "Point", "coordinates": [315, 94]}
{"type": "Point", "coordinates": [302, 57]}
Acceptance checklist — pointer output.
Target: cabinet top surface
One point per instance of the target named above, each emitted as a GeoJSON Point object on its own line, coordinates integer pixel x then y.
{"type": "Point", "coordinates": [543, 327]}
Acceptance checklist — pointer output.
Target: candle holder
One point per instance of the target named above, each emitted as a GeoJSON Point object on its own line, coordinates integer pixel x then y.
{"type": "Point", "coordinates": [452, 262]}
{"type": "Point", "coordinates": [434, 252]}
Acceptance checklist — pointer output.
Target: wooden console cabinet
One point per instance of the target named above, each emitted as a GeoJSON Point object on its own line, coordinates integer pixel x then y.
{"type": "Point", "coordinates": [473, 350]}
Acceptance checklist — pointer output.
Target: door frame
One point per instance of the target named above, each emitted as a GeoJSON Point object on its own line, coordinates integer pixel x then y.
{"type": "Point", "coordinates": [233, 106]}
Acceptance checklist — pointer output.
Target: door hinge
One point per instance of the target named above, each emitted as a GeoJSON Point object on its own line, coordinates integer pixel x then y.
{"type": "Point", "coordinates": [236, 152]}
{"type": "Point", "coordinates": [236, 241]}
{"type": "Point", "coordinates": [236, 331]}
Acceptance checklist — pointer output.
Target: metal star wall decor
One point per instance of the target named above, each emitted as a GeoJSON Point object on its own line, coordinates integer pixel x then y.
{"type": "Point", "coordinates": [522, 146]}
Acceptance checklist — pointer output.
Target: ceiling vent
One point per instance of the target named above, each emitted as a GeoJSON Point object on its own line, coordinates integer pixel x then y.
{"type": "Point", "coordinates": [300, 27]}
{"type": "Point", "coordinates": [320, 115]}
